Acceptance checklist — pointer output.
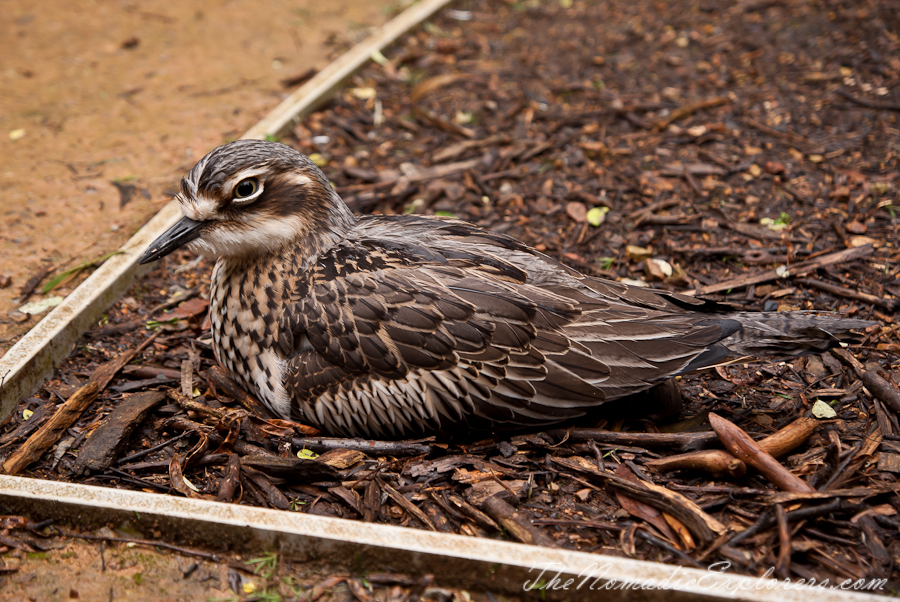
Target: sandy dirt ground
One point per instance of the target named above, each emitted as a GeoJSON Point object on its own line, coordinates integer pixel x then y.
{"type": "Point", "coordinates": [106, 104]}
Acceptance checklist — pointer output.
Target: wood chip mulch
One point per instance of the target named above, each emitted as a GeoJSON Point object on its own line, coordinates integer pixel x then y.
{"type": "Point", "coordinates": [747, 151]}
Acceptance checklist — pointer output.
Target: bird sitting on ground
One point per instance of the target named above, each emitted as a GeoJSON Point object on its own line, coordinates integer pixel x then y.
{"type": "Point", "coordinates": [392, 326]}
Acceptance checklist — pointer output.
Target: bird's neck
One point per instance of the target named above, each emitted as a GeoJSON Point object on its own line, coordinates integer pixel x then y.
{"type": "Point", "coordinates": [329, 231]}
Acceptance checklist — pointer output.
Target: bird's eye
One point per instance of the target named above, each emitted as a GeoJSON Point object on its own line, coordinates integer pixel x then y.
{"type": "Point", "coordinates": [246, 188]}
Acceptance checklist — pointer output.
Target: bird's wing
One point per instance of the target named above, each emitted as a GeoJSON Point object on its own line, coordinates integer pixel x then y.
{"type": "Point", "coordinates": [380, 336]}
{"type": "Point", "coordinates": [386, 337]}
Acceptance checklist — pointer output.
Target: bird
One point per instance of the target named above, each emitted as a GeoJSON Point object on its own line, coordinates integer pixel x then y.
{"type": "Point", "coordinates": [393, 326]}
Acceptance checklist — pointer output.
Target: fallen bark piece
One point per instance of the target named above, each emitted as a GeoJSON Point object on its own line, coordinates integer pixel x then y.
{"type": "Point", "coordinates": [274, 497]}
{"type": "Point", "coordinates": [883, 390]}
{"type": "Point", "coordinates": [231, 480]}
{"type": "Point", "coordinates": [371, 501]}
{"type": "Point", "coordinates": [515, 524]}
{"type": "Point", "coordinates": [52, 430]}
{"type": "Point", "coordinates": [748, 451]}
{"type": "Point", "coordinates": [66, 415]}
{"type": "Point", "coordinates": [640, 509]}
{"type": "Point", "coordinates": [482, 490]}
{"type": "Point", "coordinates": [699, 523]}
{"type": "Point", "coordinates": [103, 446]}
{"type": "Point", "coordinates": [407, 505]}
{"type": "Point", "coordinates": [439, 519]}
{"type": "Point", "coordinates": [783, 561]}
{"type": "Point", "coordinates": [471, 512]}
{"type": "Point", "coordinates": [348, 496]}
{"type": "Point", "coordinates": [181, 484]}
{"type": "Point", "coordinates": [847, 357]}
{"type": "Point", "coordinates": [864, 453]}
{"type": "Point", "coordinates": [342, 459]}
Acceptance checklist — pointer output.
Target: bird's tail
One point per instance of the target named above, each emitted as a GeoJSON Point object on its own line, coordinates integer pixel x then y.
{"type": "Point", "coordinates": [790, 334]}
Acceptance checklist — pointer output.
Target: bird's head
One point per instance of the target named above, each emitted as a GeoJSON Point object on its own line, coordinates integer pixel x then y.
{"type": "Point", "coordinates": [253, 197]}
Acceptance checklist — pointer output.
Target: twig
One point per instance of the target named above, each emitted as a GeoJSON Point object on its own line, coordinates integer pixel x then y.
{"type": "Point", "coordinates": [860, 454]}
{"type": "Point", "coordinates": [372, 447]}
{"type": "Point", "coordinates": [747, 450]}
{"type": "Point", "coordinates": [151, 543]}
{"type": "Point", "coordinates": [668, 548]}
{"type": "Point", "coordinates": [688, 110]}
{"type": "Point", "coordinates": [783, 562]}
{"type": "Point", "coordinates": [888, 304]}
{"type": "Point", "coordinates": [514, 523]}
{"type": "Point", "coordinates": [195, 406]}
{"type": "Point", "coordinates": [789, 137]}
{"type": "Point", "coordinates": [146, 452]}
{"type": "Point", "coordinates": [570, 522]}
{"type": "Point", "coordinates": [767, 520]}
{"type": "Point", "coordinates": [882, 389]}
{"type": "Point", "coordinates": [702, 525]}
{"type": "Point", "coordinates": [847, 357]}
{"type": "Point", "coordinates": [679, 441]}
{"type": "Point", "coordinates": [798, 269]}
{"type": "Point", "coordinates": [407, 505]}
{"type": "Point", "coordinates": [466, 510]}
{"type": "Point", "coordinates": [871, 104]}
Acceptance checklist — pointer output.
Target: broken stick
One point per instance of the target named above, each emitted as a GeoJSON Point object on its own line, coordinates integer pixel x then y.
{"type": "Point", "coordinates": [798, 269]}
{"type": "Point", "coordinates": [718, 462]}
{"type": "Point", "coordinates": [748, 451]}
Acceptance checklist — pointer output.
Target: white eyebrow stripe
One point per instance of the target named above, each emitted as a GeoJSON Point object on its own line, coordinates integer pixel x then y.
{"type": "Point", "coordinates": [297, 178]}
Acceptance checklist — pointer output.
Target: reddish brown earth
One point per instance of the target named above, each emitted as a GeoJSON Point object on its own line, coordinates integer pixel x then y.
{"type": "Point", "coordinates": [133, 93]}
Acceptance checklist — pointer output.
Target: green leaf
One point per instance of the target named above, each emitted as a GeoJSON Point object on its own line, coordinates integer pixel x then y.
{"type": "Point", "coordinates": [68, 274]}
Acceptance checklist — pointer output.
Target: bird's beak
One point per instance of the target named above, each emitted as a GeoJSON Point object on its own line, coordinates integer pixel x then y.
{"type": "Point", "coordinates": [183, 232]}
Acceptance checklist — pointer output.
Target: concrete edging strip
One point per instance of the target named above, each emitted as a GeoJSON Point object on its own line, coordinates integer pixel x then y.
{"type": "Point", "coordinates": [471, 561]}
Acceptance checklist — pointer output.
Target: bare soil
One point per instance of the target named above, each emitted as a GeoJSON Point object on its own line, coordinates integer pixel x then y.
{"type": "Point", "coordinates": [103, 565]}
{"type": "Point", "coordinates": [131, 94]}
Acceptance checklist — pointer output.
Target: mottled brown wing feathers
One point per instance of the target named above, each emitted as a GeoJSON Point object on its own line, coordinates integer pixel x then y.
{"type": "Point", "coordinates": [443, 335]}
